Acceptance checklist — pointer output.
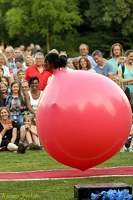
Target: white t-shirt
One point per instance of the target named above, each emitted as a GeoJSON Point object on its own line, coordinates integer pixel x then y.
{"type": "Point", "coordinates": [6, 71]}
{"type": "Point", "coordinates": [34, 102]}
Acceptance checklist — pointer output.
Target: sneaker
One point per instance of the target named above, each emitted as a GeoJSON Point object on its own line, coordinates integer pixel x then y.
{"type": "Point", "coordinates": [123, 149]}
{"type": "Point", "coordinates": [3, 148]}
{"type": "Point", "coordinates": [21, 148]}
{"type": "Point", "coordinates": [37, 147]}
{"type": "Point", "coordinates": [130, 149]}
{"type": "Point", "coordinates": [32, 146]}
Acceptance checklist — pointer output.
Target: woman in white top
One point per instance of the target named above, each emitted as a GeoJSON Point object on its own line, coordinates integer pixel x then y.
{"type": "Point", "coordinates": [3, 64]}
{"type": "Point", "coordinates": [33, 96]}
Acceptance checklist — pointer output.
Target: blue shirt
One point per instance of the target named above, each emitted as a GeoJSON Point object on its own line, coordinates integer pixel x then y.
{"type": "Point", "coordinates": [128, 74]}
{"type": "Point", "coordinates": [105, 70]}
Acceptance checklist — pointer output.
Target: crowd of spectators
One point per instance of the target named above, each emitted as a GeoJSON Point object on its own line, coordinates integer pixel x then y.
{"type": "Point", "coordinates": [24, 74]}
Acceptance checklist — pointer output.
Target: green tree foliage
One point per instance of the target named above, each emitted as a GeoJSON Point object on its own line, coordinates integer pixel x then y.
{"type": "Point", "coordinates": [116, 15]}
{"type": "Point", "coordinates": [54, 20]}
{"type": "Point", "coordinates": [65, 24]}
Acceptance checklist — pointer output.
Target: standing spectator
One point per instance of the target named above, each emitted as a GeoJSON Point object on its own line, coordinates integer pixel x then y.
{"type": "Point", "coordinates": [70, 65]}
{"type": "Point", "coordinates": [84, 51]}
{"type": "Point", "coordinates": [33, 50]}
{"type": "Point", "coordinates": [9, 51]}
{"type": "Point", "coordinates": [27, 52]}
{"type": "Point", "coordinates": [17, 52]}
{"type": "Point", "coordinates": [38, 48]}
{"type": "Point", "coordinates": [127, 73]}
{"type": "Point", "coordinates": [22, 49]}
{"type": "Point", "coordinates": [19, 60]}
{"type": "Point", "coordinates": [29, 61]}
{"type": "Point", "coordinates": [84, 64]}
{"type": "Point", "coordinates": [116, 52]}
{"type": "Point", "coordinates": [76, 63]}
{"type": "Point", "coordinates": [102, 66]}
{"type": "Point", "coordinates": [39, 71]}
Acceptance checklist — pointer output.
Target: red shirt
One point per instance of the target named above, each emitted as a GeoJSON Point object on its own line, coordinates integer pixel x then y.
{"type": "Point", "coordinates": [43, 77]}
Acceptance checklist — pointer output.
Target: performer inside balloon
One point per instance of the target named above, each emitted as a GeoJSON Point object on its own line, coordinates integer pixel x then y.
{"type": "Point", "coordinates": [54, 61]}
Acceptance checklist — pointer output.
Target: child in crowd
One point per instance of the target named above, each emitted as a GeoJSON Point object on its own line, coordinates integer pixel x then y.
{"type": "Point", "coordinates": [4, 89]}
{"type": "Point", "coordinates": [121, 61]}
{"type": "Point", "coordinates": [21, 75]}
{"type": "Point", "coordinates": [15, 103]}
{"type": "Point", "coordinates": [28, 133]}
{"type": "Point", "coordinates": [6, 81]}
{"type": "Point", "coordinates": [118, 80]}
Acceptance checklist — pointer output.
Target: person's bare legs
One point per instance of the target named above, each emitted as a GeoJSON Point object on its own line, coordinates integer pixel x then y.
{"type": "Point", "coordinates": [0, 139]}
{"type": "Point", "coordinates": [35, 139]}
{"type": "Point", "coordinates": [12, 147]}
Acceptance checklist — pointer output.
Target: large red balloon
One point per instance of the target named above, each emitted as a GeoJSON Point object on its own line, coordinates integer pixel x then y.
{"type": "Point", "coordinates": [83, 118]}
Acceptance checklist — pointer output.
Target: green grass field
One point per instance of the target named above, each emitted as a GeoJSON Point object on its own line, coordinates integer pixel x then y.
{"type": "Point", "coordinates": [50, 189]}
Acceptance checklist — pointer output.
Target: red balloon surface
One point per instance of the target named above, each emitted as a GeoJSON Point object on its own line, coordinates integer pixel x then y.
{"type": "Point", "coordinates": [83, 118]}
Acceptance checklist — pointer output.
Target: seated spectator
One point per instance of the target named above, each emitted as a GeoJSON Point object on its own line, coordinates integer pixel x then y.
{"type": "Point", "coordinates": [4, 89]}
{"type": "Point", "coordinates": [25, 87]}
{"type": "Point", "coordinates": [8, 133]}
{"type": "Point", "coordinates": [15, 103]}
{"type": "Point", "coordinates": [6, 81]}
{"type": "Point", "coordinates": [33, 96]}
{"type": "Point", "coordinates": [4, 64]}
{"type": "Point", "coordinates": [28, 133]}
{"type": "Point", "coordinates": [1, 99]}
{"type": "Point", "coordinates": [102, 67]}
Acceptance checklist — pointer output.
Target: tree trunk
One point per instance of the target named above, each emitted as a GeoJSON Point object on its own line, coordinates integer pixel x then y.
{"type": "Point", "coordinates": [47, 38]}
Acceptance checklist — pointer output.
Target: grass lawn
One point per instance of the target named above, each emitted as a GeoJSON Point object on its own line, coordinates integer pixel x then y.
{"type": "Point", "coordinates": [50, 189]}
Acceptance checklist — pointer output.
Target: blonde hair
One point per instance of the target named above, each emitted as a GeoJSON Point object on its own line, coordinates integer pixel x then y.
{"type": "Point", "coordinates": [119, 81]}
{"type": "Point", "coordinates": [121, 59]}
{"type": "Point", "coordinates": [29, 117]}
{"type": "Point", "coordinates": [4, 57]}
{"type": "Point", "coordinates": [2, 108]}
